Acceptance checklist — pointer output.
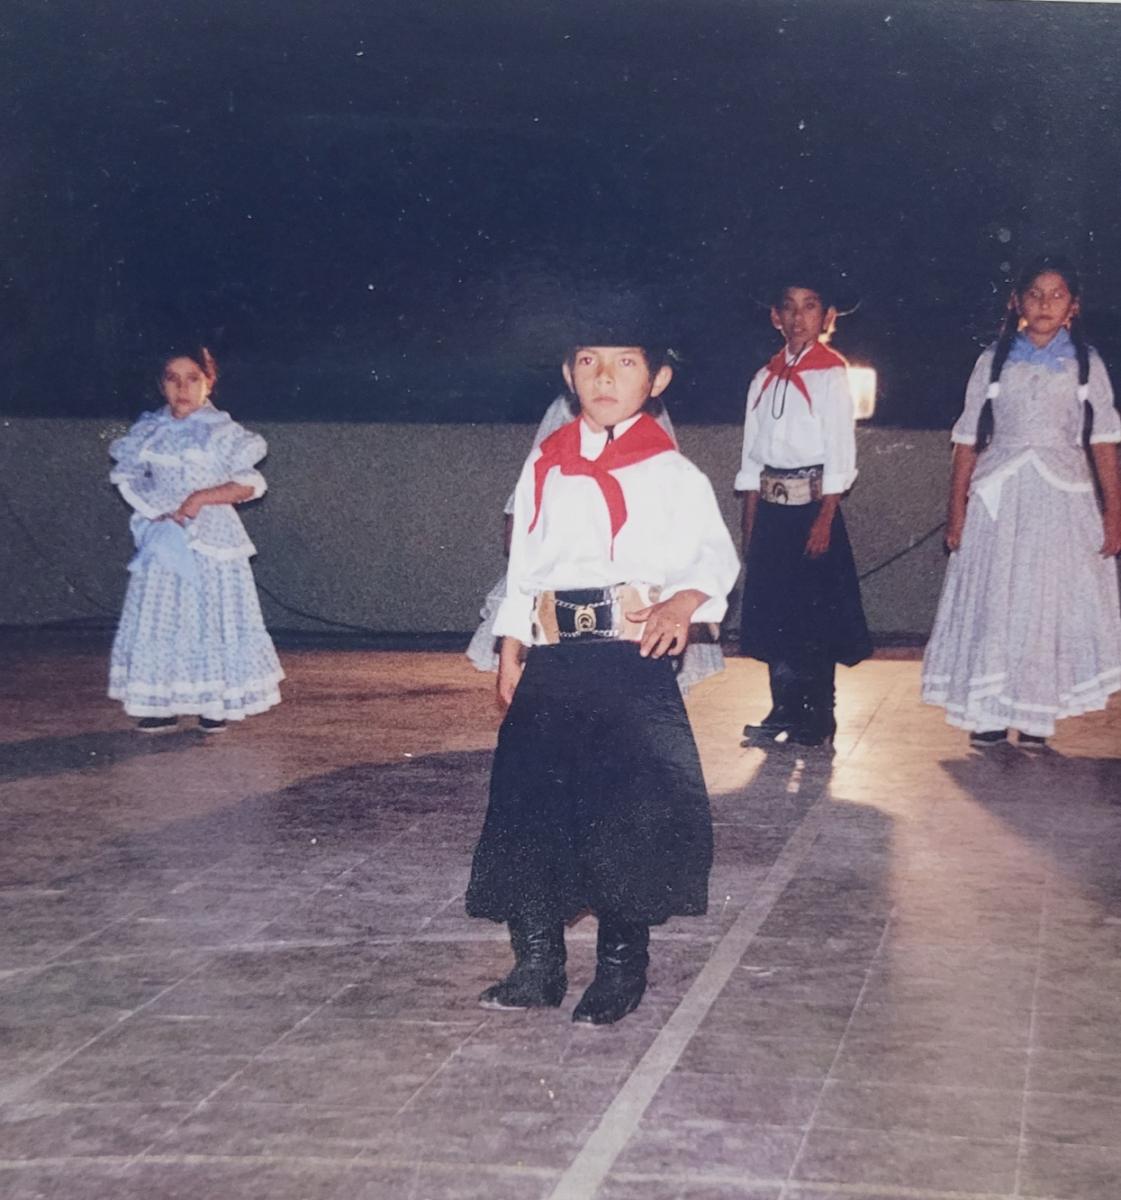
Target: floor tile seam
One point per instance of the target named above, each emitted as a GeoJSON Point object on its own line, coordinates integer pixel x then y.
{"type": "Point", "coordinates": [620, 1120]}
{"type": "Point", "coordinates": [869, 1191]}
{"type": "Point", "coordinates": [829, 1074]}
{"type": "Point", "coordinates": [863, 1191]}
{"type": "Point", "coordinates": [52, 959]}
{"type": "Point", "coordinates": [38, 1077]}
{"type": "Point", "coordinates": [123, 1163]}
{"type": "Point", "coordinates": [876, 708]}
{"type": "Point", "coordinates": [200, 1104]}
{"type": "Point", "coordinates": [103, 959]}
{"type": "Point", "coordinates": [1033, 1022]}
{"type": "Point", "coordinates": [918, 1135]}
{"type": "Point", "coordinates": [440, 1068]}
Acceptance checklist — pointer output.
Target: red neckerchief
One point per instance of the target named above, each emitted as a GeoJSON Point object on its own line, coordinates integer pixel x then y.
{"type": "Point", "coordinates": [643, 440]}
{"type": "Point", "coordinates": [819, 357]}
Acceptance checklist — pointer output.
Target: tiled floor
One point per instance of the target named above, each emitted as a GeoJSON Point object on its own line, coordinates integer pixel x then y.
{"type": "Point", "coordinates": [238, 967]}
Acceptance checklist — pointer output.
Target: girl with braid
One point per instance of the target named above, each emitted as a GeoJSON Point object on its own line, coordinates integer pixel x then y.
{"type": "Point", "coordinates": [1028, 628]}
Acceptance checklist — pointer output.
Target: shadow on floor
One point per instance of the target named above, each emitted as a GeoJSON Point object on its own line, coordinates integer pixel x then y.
{"type": "Point", "coordinates": [83, 751]}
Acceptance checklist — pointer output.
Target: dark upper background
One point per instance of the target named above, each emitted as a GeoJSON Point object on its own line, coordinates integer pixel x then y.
{"type": "Point", "coordinates": [380, 211]}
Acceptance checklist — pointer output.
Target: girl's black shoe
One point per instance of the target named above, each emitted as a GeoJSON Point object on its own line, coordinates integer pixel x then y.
{"type": "Point", "coordinates": [208, 725]}
{"type": "Point", "coordinates": [157, 724]}
{"type": "Point", "coordinates": [1031, 741]}
{"type": "Point", "coordinates": [988, 737]}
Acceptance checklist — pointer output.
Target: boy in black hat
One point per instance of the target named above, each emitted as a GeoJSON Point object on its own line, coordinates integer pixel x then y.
{"type": "Point", "coordinates": [801, 603]}
{"type": "Point", "coordinates": [597, 801]}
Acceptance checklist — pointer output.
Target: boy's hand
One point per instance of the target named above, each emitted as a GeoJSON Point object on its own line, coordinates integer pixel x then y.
{"type": "Point", "coordinates": [510, 668]}
{"type": "Point", "coordinates": [667, 623]}
{"type": "Point", "coordinates": [817, 543]}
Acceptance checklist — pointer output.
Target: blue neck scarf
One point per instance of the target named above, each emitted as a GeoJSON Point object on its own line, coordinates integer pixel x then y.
{"type": "Point", "coordinates": [1054, 356]}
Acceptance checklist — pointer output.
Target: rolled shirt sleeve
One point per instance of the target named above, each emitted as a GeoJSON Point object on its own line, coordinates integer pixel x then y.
{"type": "Point", "coordinates": [838, 435]}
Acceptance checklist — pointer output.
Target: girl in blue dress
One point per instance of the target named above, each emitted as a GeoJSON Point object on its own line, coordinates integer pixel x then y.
{"type": "Point", "coordinates": [191, 639]}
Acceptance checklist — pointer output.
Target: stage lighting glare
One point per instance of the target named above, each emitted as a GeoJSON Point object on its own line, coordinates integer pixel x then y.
{"type": "Point", "coordinates": [862, 381]}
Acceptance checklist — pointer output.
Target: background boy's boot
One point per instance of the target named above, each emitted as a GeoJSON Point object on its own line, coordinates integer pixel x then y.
{"type": "Point", "coordinates": [817, 723]}
{"type": "Point", "coordinates": [784, 703]}
{"type": "Point", "coordinates": [621, 961]}
{"type": "Point", "coordinates": [538, 979]}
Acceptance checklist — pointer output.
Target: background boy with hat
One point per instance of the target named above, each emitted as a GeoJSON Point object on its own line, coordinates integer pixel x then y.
{"type": "Point", "coordinates": [802, 612]}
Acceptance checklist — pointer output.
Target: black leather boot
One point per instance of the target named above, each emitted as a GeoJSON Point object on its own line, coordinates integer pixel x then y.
{"type": "Point", "coordinates": [621, 961]}
{"type": "Point", "coordinates": [784, 703]}
{"type": "Point", "coordinates": [538, 979]}
{"type": "Point", "coordinates": [817, 723]}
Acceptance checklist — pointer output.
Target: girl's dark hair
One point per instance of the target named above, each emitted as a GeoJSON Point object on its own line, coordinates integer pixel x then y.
{"type": "Point", "coordinates": [197, 354]}
{"type": "Point", "coordinates": [1041, 265]}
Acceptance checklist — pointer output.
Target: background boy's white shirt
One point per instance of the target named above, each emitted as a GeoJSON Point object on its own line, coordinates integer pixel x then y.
{"type": "Point", "coordinates": [674, 536]}
{"type": "Point", "coordinates": [802, 436]}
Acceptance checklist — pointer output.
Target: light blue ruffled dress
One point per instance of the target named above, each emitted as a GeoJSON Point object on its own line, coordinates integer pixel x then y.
{"type": "Point", "coordinates": [191, 639]}
{"type": "Point", "coordinates": [1028, 628]}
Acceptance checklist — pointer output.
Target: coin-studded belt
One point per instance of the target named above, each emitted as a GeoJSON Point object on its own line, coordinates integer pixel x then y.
{"type": "Point", "coordinates": [793, 485]}
{"type": "Point", "coordinates": [590, 614]}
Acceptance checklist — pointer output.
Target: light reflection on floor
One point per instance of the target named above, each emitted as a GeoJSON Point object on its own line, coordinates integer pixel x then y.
{"type": "Point", "coordinates": [238, 966]}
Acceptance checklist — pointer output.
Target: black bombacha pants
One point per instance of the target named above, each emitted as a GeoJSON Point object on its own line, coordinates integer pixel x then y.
{"type": "Point", "coordinates": [597, 800]}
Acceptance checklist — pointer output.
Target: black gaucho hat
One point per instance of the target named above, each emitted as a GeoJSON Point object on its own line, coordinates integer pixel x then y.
{"type": "Point", "coordinates": [619, 316]}
{"type": "Point", "coordinates": [831, 280]}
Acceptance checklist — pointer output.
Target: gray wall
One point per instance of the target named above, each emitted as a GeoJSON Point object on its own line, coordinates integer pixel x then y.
{"type": "Point", "coordinates": [396, 528]}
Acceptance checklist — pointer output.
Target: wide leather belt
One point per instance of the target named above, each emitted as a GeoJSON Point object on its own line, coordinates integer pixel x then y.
{"type": "Point", "coordinates": [795, 485]}
{"type": "Point", "coordinates": [589, 615]}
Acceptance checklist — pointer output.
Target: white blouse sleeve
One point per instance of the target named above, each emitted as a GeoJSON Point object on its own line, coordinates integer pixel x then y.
{"type": "Point", "coordinates": [1107, 420]}
{"type": "Point", "coordinates": [839, 435]}
{"type": "Point", "coordinates": [699, 549]}
{"type": "Point", "coordinates": [238, 452]}
{"type": "Point", "coordinates": [964, 432]}
{"type": "Point", "coordinates": [747, 478]}
{"type": "Point", "coordinates": [130, 473]}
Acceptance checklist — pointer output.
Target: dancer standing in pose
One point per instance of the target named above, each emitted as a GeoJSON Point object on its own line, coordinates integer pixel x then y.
{"type": "Point", "coordinates": [801, 600]}
{"type": "Point", "coordinates": [1028, 628]}
{"type": "Point", "coordinates": [191, 640]}
{"type": "Point", "coordinates": [597, 801]}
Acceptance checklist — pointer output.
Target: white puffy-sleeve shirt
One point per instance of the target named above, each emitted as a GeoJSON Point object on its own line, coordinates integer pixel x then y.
{"type": "Point", "coordinates": [782, 430]}
{"type": "Point", "coordinates": [560, 413]}
{"type": "Point", "coordinates": [674, 536]}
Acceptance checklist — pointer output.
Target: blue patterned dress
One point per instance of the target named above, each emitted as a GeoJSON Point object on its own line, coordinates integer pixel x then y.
{"type": "Point", "coordinates": [191, 639]}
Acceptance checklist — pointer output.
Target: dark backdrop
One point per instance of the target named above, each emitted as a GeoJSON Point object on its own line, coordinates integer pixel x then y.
{"type": "Point", "coordinates": [380, 211]}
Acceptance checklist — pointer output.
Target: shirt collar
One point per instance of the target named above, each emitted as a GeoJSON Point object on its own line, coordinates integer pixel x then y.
{"type": "Point", "coordinates": [592, 444]}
